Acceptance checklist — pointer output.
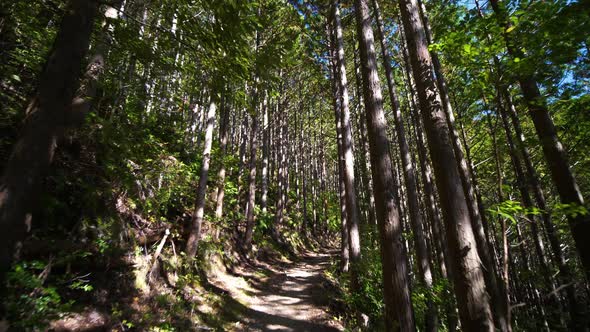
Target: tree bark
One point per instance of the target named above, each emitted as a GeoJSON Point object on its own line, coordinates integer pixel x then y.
{"type": "Point", "coordinates": [199, 212]}
{"type": "Point", "coordinates": [365, 157]}
{"type": "Point", "coordinates": [251, 201]}
{"type": "Point", "coordinates": [49, 114]}
{"type": "Point", "coordinates": [422, 254]}
{"type": "Point", "coordinates": [281, 163]}
{"type": "Point", "coordinates": [474, 204]}
{"type": "Point", "coordinates": [265, 150]}
{"type": "Point", "coordinates": [220, 193]}
{"type": "Point", "coordinates": [344, 247]}
{"type": "Point", "coordinates": [429, 195]}
{"type": "Point", "coordinates": [472, 298]}
{"type": "Point", "coordinates": [399, 314]}
{"type": "Point", "coordinates": [352, 213]}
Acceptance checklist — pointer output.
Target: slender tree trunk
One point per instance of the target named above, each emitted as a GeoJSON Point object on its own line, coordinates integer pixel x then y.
{"type": "Point", "coordinates": [398, 304]}
{"type": "Point", "coordinates": [251, 200]}
{"type": "Point", "coordinates": [242, 158]}
{"type": "Point", "coordinates": [472, 298]}
{"type": "Point", "coordinates": [49, 114]}
{"type": "Point", "coordinates": [525, 196]}
{"type": "Point", "coordinates": [296, 156]}
{"type": "Point", "coordinates": [305, 171]}
{"type": "Point", "coordinates": [220, 193]}
{"type": "Point", "coordinates": [344, 246]}
{"type": "Point", "coordinates": [324, 192]}
{"type": "Point", "coordinates": [365, 157]}
{"type": "Point", "coordinates": [281, 162]}
{"type": "Point", "coordinates": [348, 166]}
{"type": "Point", "coordinates": [265, 148]}
{"type": "Point", "coordinates": [199, 212]}
{"type": "Point", "coordinates": [505, 264]}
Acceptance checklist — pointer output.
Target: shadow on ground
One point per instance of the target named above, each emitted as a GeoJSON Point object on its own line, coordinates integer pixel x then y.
{"type": "Point", "coordinates": [280, 297]}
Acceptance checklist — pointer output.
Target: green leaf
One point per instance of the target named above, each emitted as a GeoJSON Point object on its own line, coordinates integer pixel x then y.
{"type": "Point", "coordinates": [467, 48]}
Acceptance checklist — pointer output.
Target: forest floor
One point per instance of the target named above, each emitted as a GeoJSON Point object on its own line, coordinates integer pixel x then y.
{"type": "Point", "coordinates": [283, 295]}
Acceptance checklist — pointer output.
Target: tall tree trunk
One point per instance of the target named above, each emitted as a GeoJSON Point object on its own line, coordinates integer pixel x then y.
{"type": "Point", "coordinates": [305, 172]}
{"type": "Point", "coordinates": [398, 304]}
{"type": "Point", "coordinates": [242, 159]}
{"type": "Point", "coordinates": [199, 212]}
{"type": "Point", "coordinates": [472, 298]}
{"type": "Point", "coordinates": [429, 195]}
{"type": "Point", "coordinates": [344, 246]}
{"type": "Point", "coordinates": [252, 173]}
{"type": "Point", "coordinates": [422, 254]}
{"type": "Point", "coordinates": [220, 193]}
{"type": "Point", "coordinates": [265, 150]}
{"type": "Point", "coordinates": [49, 114]}
{"type": "Point", "coordinates": [475, 204]}
{"type": "Point", "coordinates": [352, 214]}
{"type": "Point", "coordinates": [281, 163]}
{"type": "Point", "coordinates": [365, 157]}
{"type": "Point", "coordinates": [476, 209]}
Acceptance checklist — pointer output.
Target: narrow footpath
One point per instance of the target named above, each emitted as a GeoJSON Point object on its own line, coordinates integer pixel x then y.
{"type": "Point", "coordinates": [288, 296]}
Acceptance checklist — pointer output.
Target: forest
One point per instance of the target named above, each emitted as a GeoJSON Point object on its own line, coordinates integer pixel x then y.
{"type": "Point", "coordinates": [294, 165]}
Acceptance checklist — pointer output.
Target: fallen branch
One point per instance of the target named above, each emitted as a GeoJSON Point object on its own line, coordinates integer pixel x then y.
{"type": "Point", "coordinates": [558, 289]}
{"type": "Point", "coordinates": [157, 254]}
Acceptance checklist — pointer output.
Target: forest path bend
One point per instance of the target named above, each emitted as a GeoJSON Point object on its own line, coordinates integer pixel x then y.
{"type": "Point", "coordinates": [291, 296]}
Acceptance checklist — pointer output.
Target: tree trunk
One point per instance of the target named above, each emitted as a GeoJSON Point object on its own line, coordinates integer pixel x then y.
{"type": "Point", "coordinates": [242, 159]}
{"type": "Point", "coordinates": [399, 314]}
{"type": "Point", "coordinates": [344, 246]}
{"type": "Point", "coordinates": [199, 212]}
{"type": "Point", "coordinates": [252, 174]}
{"type": "Point", "coordinates": [422, 254]}
{"type": "Point", "coordinates": [265, 148]}
{"type": "Point", "coordinates": [429, 195]}
{"type": "Point", "coordinates": [281, 162]}
{"type": "Point", "coordinates": [220, 193]}
{"type": "Point", "coordinates": [352, 214]}
{"type": "Point", "coordinates": [365, 157]}
{"type": "Point", "coordinates": [472, 298]}
{"type": "Point", "coordinates": [49, 114]}
{"type": "Point", "coordinates": [305, 172]}
{"type": "Point", "coordinates": [476, 209]}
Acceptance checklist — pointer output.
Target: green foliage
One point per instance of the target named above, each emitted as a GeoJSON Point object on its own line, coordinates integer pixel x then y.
{"type": "Point", "coordinates": [512, 210]}
{"type": "Point", "coordinates": [369, 300]}
{"type": "Point", "coordinates": [569, 210]}
{"type": "Point", "coordinates": [30, 303]}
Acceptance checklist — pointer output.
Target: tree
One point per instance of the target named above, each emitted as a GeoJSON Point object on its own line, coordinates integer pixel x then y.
{"type": "Point", "coordinates": [352, 215]}
{"type": "Point", "coordinates": [49, 114]}
{"type": "Point", "coordinates": [472, 298]}
{"type": "Point", "coordinates": [398, 305]}
{"type": "Point", "coordinates": [199, 212]}
{"type": "Point", "coordinates": [422, 253]}
{"type": "Point", "coordinates": [553, 150]}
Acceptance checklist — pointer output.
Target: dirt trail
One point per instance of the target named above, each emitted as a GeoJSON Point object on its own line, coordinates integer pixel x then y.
{"type": "Point", "coordinates": [282, 297]}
